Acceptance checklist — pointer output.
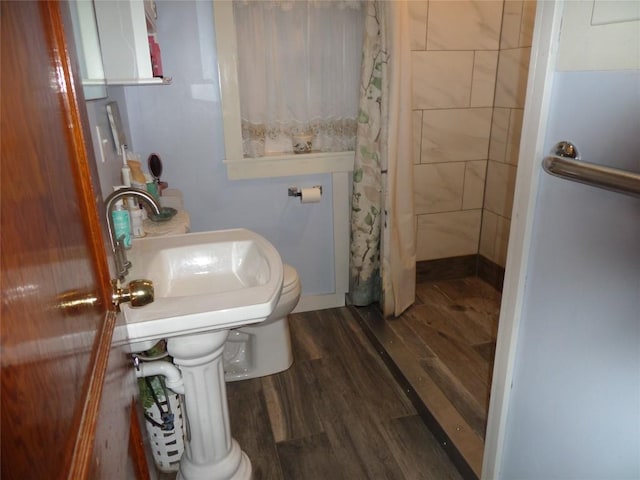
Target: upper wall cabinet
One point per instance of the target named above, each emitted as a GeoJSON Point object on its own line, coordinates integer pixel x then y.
{"type": "Point", "coordinates": [130, 52]}
{"type": "Point", "coordinates": [85, 34]}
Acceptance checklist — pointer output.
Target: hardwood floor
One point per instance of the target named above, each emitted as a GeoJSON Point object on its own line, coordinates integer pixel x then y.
{"type": "Point", "coordinates": [337, 413]}
{"type": "Point", "coordinates": [442, 351]}
{"type": "Point", "coordinates": [340, 413]}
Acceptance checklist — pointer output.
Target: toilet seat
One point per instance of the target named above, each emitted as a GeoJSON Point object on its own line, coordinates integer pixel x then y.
{"type": "Point", "coordinates": [290, 279]}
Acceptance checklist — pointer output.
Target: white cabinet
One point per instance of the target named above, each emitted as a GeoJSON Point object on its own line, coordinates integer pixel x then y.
{"type": "Point", "coordinates": [85, 34]}
{"type": "Point", "coordinates": [124, 27]}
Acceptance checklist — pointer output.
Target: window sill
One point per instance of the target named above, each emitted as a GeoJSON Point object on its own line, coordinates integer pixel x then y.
{"type": "Point", "coordinates": [140, 81]}
{"type": "Point", "coordinates": [286, 165]}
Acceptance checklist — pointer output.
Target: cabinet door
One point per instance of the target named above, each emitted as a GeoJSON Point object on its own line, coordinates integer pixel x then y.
{"type": "Point", "coordinates": [122, 27]}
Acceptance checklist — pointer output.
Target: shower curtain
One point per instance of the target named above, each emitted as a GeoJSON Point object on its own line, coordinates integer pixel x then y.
{"type": "Point", "coordinates": [382, 253]}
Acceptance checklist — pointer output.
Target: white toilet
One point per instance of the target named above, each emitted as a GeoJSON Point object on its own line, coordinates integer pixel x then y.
{"type": "Point", "coordinates": [252, 351]}
{"type": "Point", "coordinates": [264, 349]}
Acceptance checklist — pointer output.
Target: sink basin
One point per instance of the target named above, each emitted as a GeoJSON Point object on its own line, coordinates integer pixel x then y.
{"type": "Point", "coordinates": [203, 282]}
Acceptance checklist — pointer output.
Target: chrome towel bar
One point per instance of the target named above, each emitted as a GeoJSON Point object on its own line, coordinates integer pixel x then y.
{"type": "Point", "coordinates": [565, 163]}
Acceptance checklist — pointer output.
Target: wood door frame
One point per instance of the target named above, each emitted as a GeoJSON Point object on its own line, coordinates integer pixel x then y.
{"type": "Point", "coordinates": [537, 106]}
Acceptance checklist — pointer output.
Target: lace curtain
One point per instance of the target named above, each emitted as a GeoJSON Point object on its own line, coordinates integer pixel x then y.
{"type": "Point", "coordinates": [299, 73]}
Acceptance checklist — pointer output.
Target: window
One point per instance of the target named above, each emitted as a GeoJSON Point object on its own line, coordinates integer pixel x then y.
{"type": "Point", "coordinates": [295, 71]}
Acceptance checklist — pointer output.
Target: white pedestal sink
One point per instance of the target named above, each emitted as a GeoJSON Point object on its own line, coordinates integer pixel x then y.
{"type": "Point", "coordinates": [205, 284]}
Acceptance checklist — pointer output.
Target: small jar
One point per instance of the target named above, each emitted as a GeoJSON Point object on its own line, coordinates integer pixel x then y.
{"type": "Point", "coordinates": [302, 143]}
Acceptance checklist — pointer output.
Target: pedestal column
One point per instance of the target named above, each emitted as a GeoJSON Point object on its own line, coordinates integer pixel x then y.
{"type": "Point", "coordinates": [210, 452]}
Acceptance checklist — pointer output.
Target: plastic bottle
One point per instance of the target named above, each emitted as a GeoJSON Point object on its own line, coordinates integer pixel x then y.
{"type": "Point", "coordinates": [137, 176]}
{"type": "Point", "coordinates": [136, 223]}
{"type": "Point", "coordinates": [122, 223]}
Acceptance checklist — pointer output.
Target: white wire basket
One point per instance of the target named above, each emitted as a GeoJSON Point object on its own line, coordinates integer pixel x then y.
{"type": "Point", "coordinates": [167, 445]}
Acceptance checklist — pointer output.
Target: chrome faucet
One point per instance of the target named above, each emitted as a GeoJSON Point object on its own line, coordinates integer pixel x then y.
{"type": "Point", "coordinates": [117, 244]}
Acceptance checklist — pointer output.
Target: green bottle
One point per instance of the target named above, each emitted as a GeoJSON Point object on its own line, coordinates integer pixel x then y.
{"type": "Point", "coordinates": [122, 223]}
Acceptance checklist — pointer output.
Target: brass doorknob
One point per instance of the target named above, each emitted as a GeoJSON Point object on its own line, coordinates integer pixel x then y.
{"type": "Point", "coordinates": [138, 292]}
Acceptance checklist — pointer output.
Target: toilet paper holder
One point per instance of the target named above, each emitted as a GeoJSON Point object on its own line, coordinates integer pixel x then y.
{"type": "Point", "coordinates": [297, 192]}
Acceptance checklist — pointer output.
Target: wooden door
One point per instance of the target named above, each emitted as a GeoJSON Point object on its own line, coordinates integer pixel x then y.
{"type": "Point", "coordinates": [66, 393]}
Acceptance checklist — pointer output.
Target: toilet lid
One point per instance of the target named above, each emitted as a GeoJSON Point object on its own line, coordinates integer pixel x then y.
{"type": "Point", "coordinates": [290, 278]}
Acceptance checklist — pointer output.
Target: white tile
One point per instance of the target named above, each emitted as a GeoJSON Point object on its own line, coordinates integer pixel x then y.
{"type": "Point", "coordinates": [442, 235]}
{"type": "Point", "coordinates": [488, 235]}
{"type": "Point", "coordinates": [441, 79]}
{"type": "Point", "coordinates": [438, 187]}
{"type": "Point", "coordinates": [500, 185]}
{"type": "Point", "coordinates": [494, 237]}
{"type": "Point", "coordinates": [464, 25]}
{"type": "Point", "coordinates": [511, 82]}
{"type": "Point", "coordinates": [528, 18]}
{"type": "Point", "coordinates": [511, 22]}
{"type": "Point", "coordinates": [485, 65]}
{"type": "Point", "coordinates": [474, 176]}
{"type": "Point", "coordinates": [513, 138]}
{"type": "Point", "coordinates": [418, 24]}
{"type": "Point", "coordinates": [416, 124]}
{"type": "Point", "coordinates": [455, 134]}
{"type": "Point", "coordinates": [502, 241]}
{"type": "Point", "coordinates": [499, 134]}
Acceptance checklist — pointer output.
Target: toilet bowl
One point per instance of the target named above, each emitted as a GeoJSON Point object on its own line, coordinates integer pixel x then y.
{"type": "Point", "coordinates": [265, 348]}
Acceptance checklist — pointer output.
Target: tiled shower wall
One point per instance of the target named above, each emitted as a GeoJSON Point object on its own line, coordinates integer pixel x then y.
{"type": "Point", "coordinates": [511, 84]}
{"type": "Point", "coordinates": [456, 48]}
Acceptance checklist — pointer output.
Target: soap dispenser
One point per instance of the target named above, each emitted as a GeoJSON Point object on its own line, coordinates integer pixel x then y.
{"type": "Point", "coordinates": [122, 223]}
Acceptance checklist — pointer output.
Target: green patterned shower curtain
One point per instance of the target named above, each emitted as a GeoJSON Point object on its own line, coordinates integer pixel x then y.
{"type": "Point", "coordinates": [382, 253]}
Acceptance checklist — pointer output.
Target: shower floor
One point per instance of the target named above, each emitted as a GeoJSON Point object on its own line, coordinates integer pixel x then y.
{"type": "Point", "coordinates": [441, 350]}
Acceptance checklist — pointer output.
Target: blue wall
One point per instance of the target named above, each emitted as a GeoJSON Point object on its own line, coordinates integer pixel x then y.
{"type": "Point", "coordinates": [182, 122]}
{"type": "Point", "coordinates": [575, 406]}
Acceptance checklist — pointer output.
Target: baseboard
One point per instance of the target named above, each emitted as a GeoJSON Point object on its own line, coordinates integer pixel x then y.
{"type": "Point", "coordinates": [460, 267]}
{"type": "Point", "coordinates": [426, 270]}
{"type": "Point", "coordinates": [309, 303]}
{"type": "Point", "coordinates": [446, 268]}
{"type": "Point", "coordinates": [490, 272]}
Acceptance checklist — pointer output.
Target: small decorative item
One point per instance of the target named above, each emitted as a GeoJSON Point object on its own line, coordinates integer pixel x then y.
{"type": "Point", "coordinates": [302, 143]}
{"type": "Point", "coordinates": [166, 214]}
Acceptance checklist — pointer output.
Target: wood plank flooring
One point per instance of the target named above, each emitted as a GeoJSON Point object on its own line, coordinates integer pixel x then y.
{"type": "Point", "coordinates": [336, 414]}
{"type": "Point", "coordinates": [442, 349]}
